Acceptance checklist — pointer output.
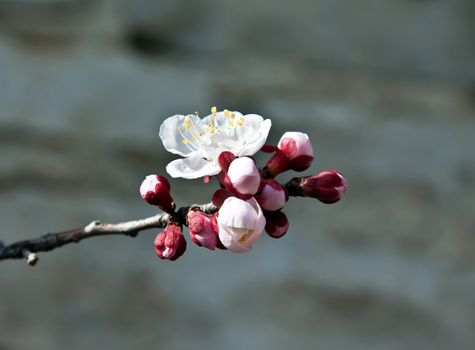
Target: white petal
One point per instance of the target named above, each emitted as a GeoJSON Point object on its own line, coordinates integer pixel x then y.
{"type": "Point", "coordinates": [255, 133]}
{"type": "Point", "coordinates": [225, 142]}
{"type": "Point", "coordinates": [226, 237]}
{"type": "Point", "coordinates": [171, 137]}
{"type": "Point", "coordinates": [259, 224]}
{"type": "Point", "coordinates": [192, 167]}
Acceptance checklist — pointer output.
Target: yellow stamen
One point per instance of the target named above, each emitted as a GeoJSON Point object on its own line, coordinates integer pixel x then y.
{"type": "Point", "coordinates": [214, 110]}
{"type": "Point", "coordinates": [185, 141]}
{"type": "Point", "coordinates": [245, 236]}
{"type": "Point", "coordinates": [192, 130]}
{"type": "Point", "coordinates": [226, 113]}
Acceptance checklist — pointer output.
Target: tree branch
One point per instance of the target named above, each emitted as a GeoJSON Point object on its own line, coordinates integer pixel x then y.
{"type": "Point", "coordinates": [26, 249]}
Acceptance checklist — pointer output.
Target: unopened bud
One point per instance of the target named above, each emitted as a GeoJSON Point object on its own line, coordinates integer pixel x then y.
{"type": "Point", "coordinates": [273, 195]}
{"type": "Point", "coordinates": [298, 149]}
{"type": "Point", "coordinates": [155, 190]}
{"type": "Point", "coordinates": [201, 229]}
{"type": "Point", "coordinates": [170, 243]}
{"type": "Point", "coordinates": [327, 187]}
{"type": "Point", "coordinates": [277, 224]}
{"type": "Point", "coordinates": [240, 224]}
{"type": "Point", "coordinates": [293, 152]}
{"type": "Point", "coordinates": [243, 176]}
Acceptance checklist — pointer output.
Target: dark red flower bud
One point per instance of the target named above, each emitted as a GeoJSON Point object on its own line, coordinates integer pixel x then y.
{"type": "Point", "coordinates": [155, 190]}
{"type": "Point", "coordinates": [277, 224]}
{"type": "Point", "coordinates": [327, 187]}
{"type": "Point", "coordinates": [170, 243]}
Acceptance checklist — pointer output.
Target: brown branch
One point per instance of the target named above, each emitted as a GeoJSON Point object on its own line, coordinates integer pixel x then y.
{"type": "Point", "coordinates": [26, 249]}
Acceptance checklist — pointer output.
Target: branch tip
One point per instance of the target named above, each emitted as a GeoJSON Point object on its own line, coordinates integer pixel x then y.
{"type": "Point", "coordinates": [31, 258]}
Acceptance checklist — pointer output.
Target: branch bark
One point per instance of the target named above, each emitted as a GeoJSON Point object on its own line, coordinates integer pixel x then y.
{"type": "Point", "coordinates": [26, 249]}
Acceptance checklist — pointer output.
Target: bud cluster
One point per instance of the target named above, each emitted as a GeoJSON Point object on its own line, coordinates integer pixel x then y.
{"type": "Point", "coordinates": [250, 199]}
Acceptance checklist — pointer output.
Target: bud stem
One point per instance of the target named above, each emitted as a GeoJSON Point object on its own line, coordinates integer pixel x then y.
{"type": "Point", "coordinates": [294, 187]}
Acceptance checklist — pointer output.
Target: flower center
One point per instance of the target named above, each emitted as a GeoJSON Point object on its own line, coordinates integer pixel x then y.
{"type": "Point", "coordinates": [246, 233]}
{"type": "Point", "coordinates": [195, 135]}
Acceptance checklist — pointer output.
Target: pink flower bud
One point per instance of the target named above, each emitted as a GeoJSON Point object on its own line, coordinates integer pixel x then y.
{"type": "Point", "coordinates": [294, 151]}
{"type": "Point", "coordinates": [297, 148]}
{"type": "Point", "coordinates": [155, 190]}
{"type": "Point", "coordinates": [327, 187]}
{"type": "Point", "coordinates": [243, 176]}
{"type": "Point", "coordinates": [240, 224]}
{"type": "Point", "coordinates": [170, 243]}
{"type": "Point", "coordinates": [277, 224]}
{"type": "Point", "coordinates": [201, 229]}
{"type": "Point", "coordinates": [273, 195]}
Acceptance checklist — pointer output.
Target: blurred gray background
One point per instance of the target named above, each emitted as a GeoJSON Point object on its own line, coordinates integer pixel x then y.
{"type": "Point", "coordinates": [385, 89]}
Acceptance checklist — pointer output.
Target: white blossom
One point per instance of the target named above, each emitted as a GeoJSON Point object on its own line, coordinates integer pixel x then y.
{"type": "Point", "coordinates": [201, 141]}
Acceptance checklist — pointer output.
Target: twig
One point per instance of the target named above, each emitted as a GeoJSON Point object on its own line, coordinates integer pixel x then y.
{"type": "Point", "coordinates": [26, 249]}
